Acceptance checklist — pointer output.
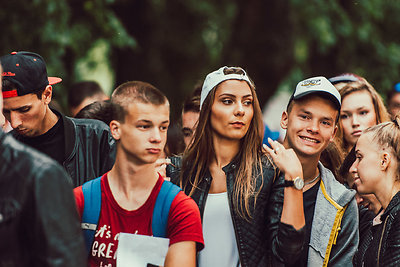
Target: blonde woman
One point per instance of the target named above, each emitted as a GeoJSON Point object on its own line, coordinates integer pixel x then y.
{"type": "Point", "coordinates": [377, 171]}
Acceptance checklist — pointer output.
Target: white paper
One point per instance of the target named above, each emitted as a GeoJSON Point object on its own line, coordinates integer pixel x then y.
{"type": "Point", "coordinates": [138, 250]}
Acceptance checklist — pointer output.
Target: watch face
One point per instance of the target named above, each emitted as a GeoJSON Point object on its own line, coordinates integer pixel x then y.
{"type": "Point", "coordinates": [298, 183]}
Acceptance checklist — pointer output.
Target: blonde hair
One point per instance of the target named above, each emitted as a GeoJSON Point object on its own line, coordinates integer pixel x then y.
{"type": "Point", "coordinates": [200, 153]}
{"type": "Point", "coordinates": [380, 110]}
{"type": "Point", "coordinates": [387, 135]}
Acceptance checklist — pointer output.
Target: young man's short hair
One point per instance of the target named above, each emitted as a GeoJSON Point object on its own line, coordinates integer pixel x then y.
{"type": "Point", "coordinates": [99, 110]}
{"type": "Point", "coordinates": [192, 102]}
{"type": "Point", "coordinates": [9, 85]}
{"type": "Point", "coordinates": [81, 90]}
{"type": "Point", "coordinates": [134, 91]}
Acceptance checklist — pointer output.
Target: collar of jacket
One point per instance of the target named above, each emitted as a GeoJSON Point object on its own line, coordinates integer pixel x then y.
{"type": "Point", "coordinates": [394, 205]}
{"type": "Point", "coordinates": [337, 192]}
{"type": "Point", "coordinates": [232, 165]}
{"type": "Point", "coordinates": [69, 133]}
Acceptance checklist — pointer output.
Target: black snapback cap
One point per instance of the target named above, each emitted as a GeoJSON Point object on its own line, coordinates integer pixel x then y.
{"type": "Point", "coordinates": [27, 71]}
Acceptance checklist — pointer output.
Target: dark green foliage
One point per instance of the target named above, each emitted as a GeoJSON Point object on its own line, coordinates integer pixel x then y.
{"type": "Point", "coordinates": [173, 44]}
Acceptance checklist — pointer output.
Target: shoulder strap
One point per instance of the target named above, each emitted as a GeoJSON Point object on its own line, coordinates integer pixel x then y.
{"type": "Point", "coordinates": [91, 210]}
{"type": "Point", "coordinates": [164, 199]}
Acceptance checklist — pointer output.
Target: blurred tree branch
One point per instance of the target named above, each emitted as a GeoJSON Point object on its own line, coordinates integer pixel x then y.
{"type": "Point", "coordinates": [173, 44]}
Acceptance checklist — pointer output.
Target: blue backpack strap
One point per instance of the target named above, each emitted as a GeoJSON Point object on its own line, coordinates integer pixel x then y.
{"type": "Point", "coordinates": [164, 199]}
{"type": "Point", "coordinates": [91, 210]}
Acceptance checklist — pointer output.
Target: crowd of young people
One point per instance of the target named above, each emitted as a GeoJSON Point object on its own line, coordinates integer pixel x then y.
{"type": "Point", "coordinates": [230, 201]}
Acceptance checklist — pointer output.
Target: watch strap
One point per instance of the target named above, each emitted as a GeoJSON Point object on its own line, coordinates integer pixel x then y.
{"type": "Point", "coordinates": [288, 183]}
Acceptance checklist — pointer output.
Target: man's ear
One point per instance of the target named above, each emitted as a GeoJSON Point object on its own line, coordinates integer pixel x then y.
{"type": "Point", "coordinates": [115, 127]}
{"type": "Point", "coordinates": [334, 133]}
{"type": "Point", "coordinates": [47, 94]}
{"type": "Point", "coordinates": [284, 120]}
{"type": "Point", "coordinates": [385, 160]}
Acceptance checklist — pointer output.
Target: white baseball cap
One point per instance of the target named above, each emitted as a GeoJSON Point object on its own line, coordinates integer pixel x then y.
{"type": "Point", "coordinates": [319, 85]}
{"type": "Point", "coordinates": [216, 77]}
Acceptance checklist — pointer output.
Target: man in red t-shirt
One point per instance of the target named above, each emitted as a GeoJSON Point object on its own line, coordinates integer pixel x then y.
{"type": "Point", "coordinates": [130, 189]}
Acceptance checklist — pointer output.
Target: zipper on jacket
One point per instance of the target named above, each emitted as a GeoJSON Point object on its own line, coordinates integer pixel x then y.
{"type": "Point", "coordinates": [203, 198]}
{"type": "Point", "coordinates": [380, 241]}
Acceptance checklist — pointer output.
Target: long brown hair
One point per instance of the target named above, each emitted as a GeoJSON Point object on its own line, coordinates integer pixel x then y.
{"type": "Point", "coordinates": [200, 153]}
{"type": "Point", "coordinates": [380, 110]}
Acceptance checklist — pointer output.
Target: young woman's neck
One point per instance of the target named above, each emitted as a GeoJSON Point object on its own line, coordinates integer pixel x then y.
{"type": "Point", "coordinates": [348, 148]}
{"type": "Point", "coordinates": [386, 191]}
{"type": "Point", "coordinates": [225, 150]}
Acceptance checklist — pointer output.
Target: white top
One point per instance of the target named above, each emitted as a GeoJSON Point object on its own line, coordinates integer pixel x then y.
{"type": "Point", "coordinates": [219, 236]}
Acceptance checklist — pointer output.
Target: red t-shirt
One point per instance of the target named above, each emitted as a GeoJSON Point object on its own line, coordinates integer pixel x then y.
{"type": "Point", "coordinates": [184, 223]}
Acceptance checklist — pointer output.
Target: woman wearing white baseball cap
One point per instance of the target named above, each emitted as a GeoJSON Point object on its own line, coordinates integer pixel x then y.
{"type": "Point", "coordinates": [238, 189]}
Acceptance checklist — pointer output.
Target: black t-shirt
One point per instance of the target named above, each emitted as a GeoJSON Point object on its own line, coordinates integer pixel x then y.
{"type": "Point", "coordinates": [309, 199]}
{"type": "Point", "coordinates": [51, 143]}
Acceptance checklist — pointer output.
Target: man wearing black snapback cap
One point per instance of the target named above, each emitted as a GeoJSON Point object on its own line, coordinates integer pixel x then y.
{"type": "Point", "coordinates": [85, 148]}
{"type": "Point", "coordinates": [34, 230]}
{"type": "Point", "coordinates": [330, 209]}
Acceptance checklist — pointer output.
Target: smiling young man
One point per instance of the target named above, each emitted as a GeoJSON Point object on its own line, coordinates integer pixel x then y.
{"type": "Point", "coordinates": [84, 148]}
{"type": "Point", "coordinates": [330, 209]}
{"type": "Point", "coordinates": [129, 191]}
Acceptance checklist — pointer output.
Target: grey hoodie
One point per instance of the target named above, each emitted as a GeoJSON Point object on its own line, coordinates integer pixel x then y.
{"type": "Point", "coordinates": [334, 232]}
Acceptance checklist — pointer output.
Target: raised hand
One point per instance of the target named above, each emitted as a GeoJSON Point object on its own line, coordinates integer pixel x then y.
{"type": "Point", "coordinates": [285, 159]}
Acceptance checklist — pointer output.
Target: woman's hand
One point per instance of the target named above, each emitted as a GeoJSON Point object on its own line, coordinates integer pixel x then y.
{"type": "Point", "coordinates": [285, 159]}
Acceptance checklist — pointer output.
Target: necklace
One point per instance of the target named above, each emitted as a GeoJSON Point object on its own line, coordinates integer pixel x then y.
{"type": "Point", "coordinates": [313, 180]}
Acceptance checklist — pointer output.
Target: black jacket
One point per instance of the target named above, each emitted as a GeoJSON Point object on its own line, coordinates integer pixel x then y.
{"type": "Point", "coordinates": [89, 148]}
{"type": "Point", "coordinates": [381, 244]}
{"type": "Point", "coordinates": [39, 224]}
{"type": "Point", "coordinates": [264, 235]}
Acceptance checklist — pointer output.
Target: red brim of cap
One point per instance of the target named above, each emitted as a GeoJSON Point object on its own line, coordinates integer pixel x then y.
{"type": "Point", "coordinates": [54, 80]}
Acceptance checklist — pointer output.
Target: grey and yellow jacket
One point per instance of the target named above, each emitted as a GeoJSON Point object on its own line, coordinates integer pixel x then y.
{"type": "Point", "coordinates": [89, 148]}
{"type": "Point", "coordinates": [39, 225]}
{"type": "Point", "coordinates": [263, 240]}
{"type": "Point", "coordinates": [334, 232]}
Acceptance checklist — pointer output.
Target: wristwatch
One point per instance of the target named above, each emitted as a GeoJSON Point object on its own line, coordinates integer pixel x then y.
{"type": "Point", "coordinates": [297, 183]}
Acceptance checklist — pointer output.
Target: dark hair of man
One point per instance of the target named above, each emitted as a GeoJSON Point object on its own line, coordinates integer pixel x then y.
{"type": "Point", "coordinates": [99, 110]}
{"type": "Point", "coordinates": [192, 103]}
{"type": "Point", "coordinates": [8, 86]}
{"type": "Point", "coordinates": [199, 154]}
{"type": "Point", "coordinates": [81, 90]}
{"type": "Point", "coordinates": [134, 91]}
